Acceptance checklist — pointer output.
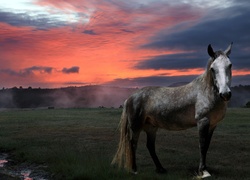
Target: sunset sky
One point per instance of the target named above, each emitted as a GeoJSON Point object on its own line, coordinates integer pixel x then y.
{"type": "Point", "coordinates": [128, 43]}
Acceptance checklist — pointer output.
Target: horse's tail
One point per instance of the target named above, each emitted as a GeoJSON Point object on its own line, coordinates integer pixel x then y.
{"type": "Point", "coordinates": [123, 156]}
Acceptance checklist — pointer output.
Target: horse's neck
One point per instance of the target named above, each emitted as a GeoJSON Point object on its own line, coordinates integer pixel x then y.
{"type": "Point", "coordinates": [205, 82]}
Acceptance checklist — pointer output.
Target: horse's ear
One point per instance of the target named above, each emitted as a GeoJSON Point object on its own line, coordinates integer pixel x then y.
{"type": "Point", "coordinates": [210, 51]}
{"type": "Point", "coordinates": [228, 50]}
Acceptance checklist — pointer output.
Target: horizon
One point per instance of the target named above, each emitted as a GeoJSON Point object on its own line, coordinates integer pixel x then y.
{"type": "Point", "coordinates": [55, 44]}
{"type": "Point", "coordinates": [107, 86]}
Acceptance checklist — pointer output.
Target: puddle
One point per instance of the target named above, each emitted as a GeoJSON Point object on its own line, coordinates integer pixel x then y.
{"type": "Point", "coordinates": [26, 175]}
{"type": "Point", "coordinates": [22, 171]}
{"type": "Point", "coordinates": [3, 160]}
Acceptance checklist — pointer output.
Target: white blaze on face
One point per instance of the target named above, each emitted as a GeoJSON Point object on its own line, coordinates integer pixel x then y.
{"type": "Point", "coordinates": [221, 69]}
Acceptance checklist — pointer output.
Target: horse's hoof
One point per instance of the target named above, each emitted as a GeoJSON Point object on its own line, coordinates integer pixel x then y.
{"type": "Point", "coordinates": [134, 172]}
{"type": "Point", "coordinates": [161, 170]}
{"type": "Point", "coordinates": [205, 174]}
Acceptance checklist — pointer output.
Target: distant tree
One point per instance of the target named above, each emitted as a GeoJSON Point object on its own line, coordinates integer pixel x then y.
{"type": "Point", "coordinates": [248, 104]}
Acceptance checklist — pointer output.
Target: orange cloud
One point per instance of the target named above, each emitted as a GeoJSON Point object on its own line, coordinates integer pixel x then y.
{"type": "Point", "coordinates": [241, 72]}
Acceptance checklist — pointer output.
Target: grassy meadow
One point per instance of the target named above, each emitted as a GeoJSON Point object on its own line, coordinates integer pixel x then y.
{"type": "Point", "coordinates": [80, 144]}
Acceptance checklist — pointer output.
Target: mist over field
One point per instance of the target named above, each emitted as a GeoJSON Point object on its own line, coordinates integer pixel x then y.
{"type": "Point", "coordinates": [87, 96]}
{"type": "Point", "coordinates": [70, 97]}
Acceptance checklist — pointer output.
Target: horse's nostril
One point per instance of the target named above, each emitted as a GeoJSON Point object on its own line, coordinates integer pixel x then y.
{"type": "Point", "coordinates": [226, 96]}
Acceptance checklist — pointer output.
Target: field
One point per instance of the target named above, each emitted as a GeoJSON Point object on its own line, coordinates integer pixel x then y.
{"type": "Point", "coordinates": [80, 144]}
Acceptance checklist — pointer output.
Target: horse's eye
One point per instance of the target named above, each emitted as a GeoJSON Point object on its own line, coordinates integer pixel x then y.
{"type": "Point", "coordinates": [212, 69]}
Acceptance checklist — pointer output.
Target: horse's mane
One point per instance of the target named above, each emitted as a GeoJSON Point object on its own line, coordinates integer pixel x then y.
{"type": "Point", "coordinates": [206, 78]}
{"type": "Point", "coordinates": [210, 61]}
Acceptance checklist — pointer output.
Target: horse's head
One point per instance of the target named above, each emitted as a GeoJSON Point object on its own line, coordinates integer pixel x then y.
{"type": "Point", "coordinates": [221, 71]}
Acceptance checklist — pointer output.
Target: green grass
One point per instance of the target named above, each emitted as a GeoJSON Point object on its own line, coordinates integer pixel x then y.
{"type": "Point", "coordinates": [80, 144]}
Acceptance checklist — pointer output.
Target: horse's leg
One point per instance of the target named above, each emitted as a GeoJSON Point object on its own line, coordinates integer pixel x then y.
{"type": "Point", "coordinates": [134, 142]}
{"type": "Point", "coordinates": [205, 135]}
{"type": "Point", "coordinates": [151, 136]}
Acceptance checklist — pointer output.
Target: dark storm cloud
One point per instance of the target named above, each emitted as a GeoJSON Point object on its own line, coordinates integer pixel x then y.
{"type": "Point", "coordinates": [233, 26]}
{"type": "Point", "coordinates": [166, 81]}
{"type": "Point", "coordinates": [127, 31]}
{"type": "Point", "coordinates": [40, 69]}
{"type": "Point", "coordinates": [151, 81]}
{"type": "Point", "coordinates": [28, 71]}
{"type": "Point", "coordinates": [216, 31]}
{"type": "Point", "coordinates": [74, 69]}
{"type": "Point", "coordinates": [40, 21]}
{"type": "Point", "coordinates": [90, 32]}
{"type": "Point", "coordinates": [174, 61]}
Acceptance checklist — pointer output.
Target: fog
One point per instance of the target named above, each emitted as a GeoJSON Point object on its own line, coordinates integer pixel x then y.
{"type": "Point", "coordinates": [87, 96]}
{"type": "Point", "coordinates": [70, 97]}
{"type": "Point", "coordinates": [240, 96]}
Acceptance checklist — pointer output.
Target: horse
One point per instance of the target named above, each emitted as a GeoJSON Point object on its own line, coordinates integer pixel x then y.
{"type": "Point", "coordinates": [202, 103]}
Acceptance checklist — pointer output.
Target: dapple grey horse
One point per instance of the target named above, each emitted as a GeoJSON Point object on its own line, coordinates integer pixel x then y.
{"type": "Point", "coordinates": [201, 103]}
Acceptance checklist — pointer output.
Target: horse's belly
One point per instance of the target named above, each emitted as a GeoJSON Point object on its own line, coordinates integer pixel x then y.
{"type": "Point", "coordinates": [179, 119]}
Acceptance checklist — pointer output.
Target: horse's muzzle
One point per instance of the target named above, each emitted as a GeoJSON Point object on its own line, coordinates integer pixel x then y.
{"type": "Point", "coordinates": [226, 96]}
